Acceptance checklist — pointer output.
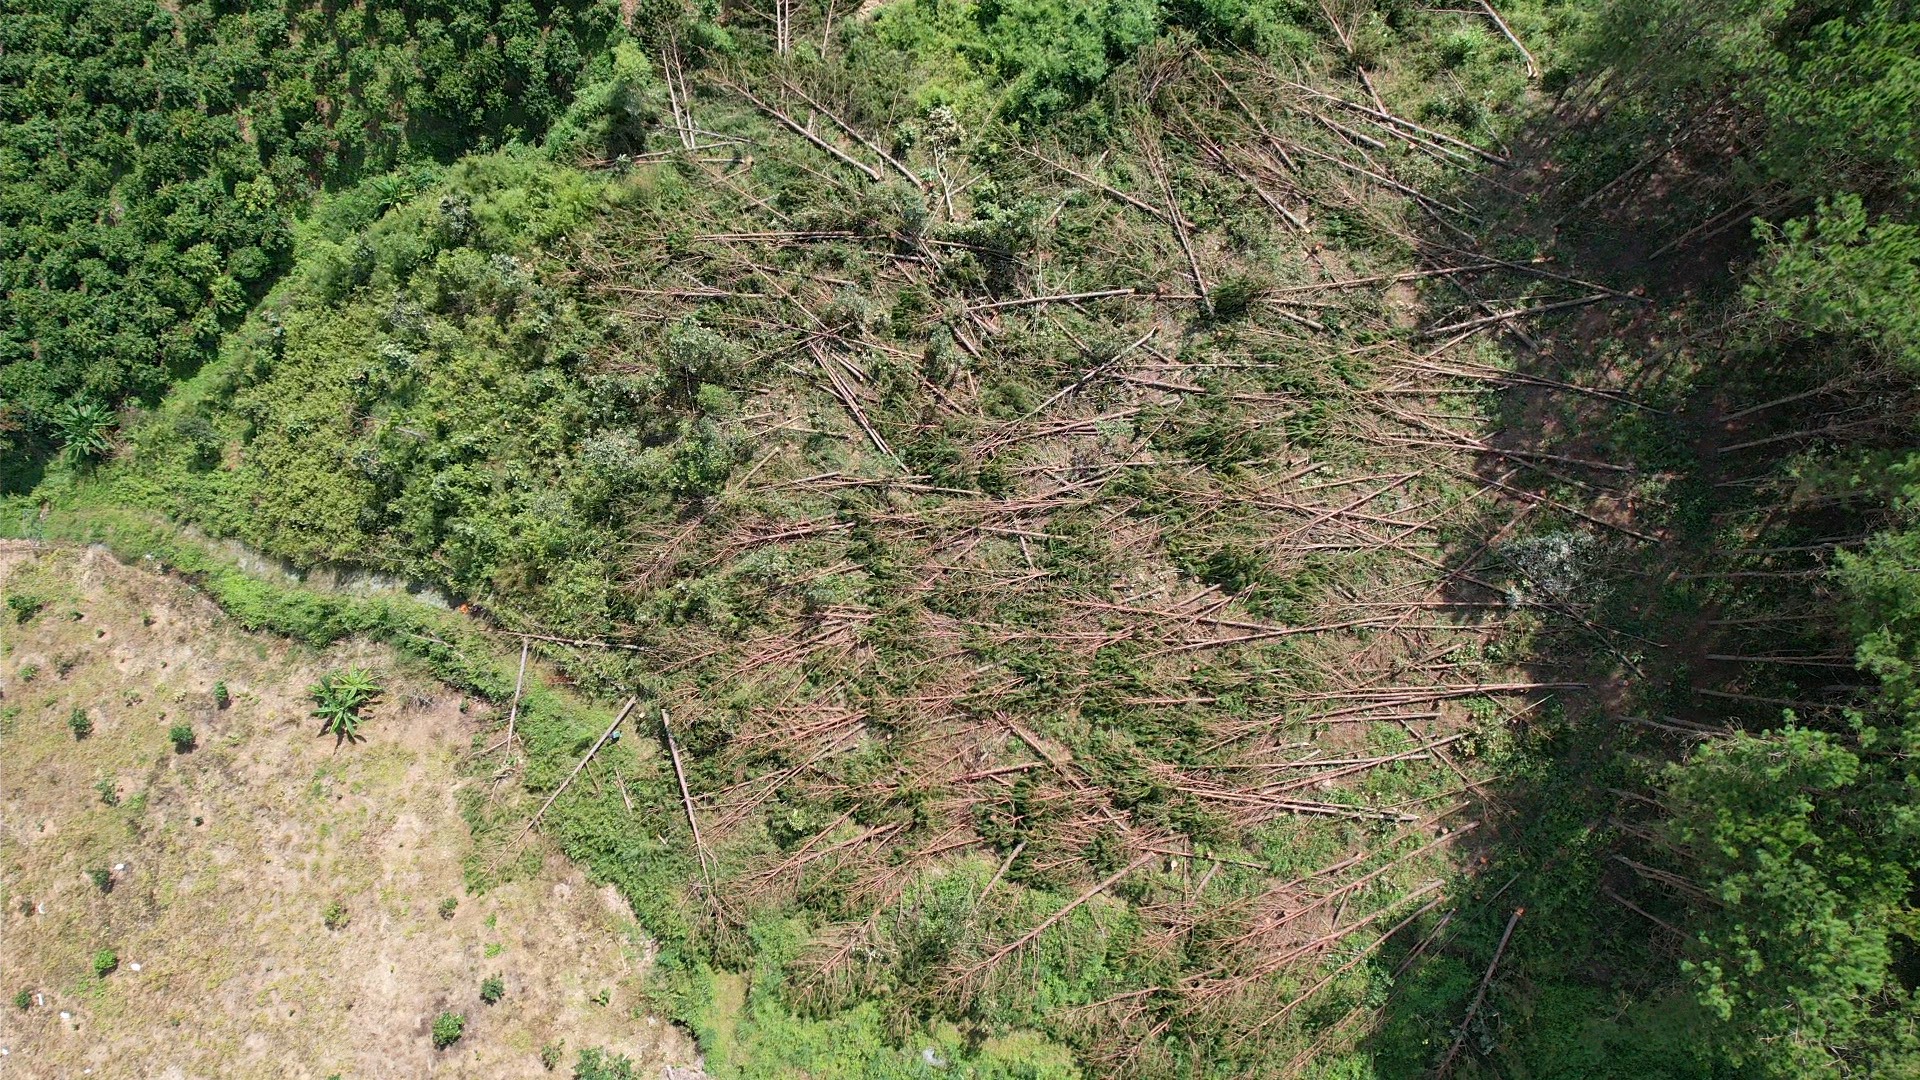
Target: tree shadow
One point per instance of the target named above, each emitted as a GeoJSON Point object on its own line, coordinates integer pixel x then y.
{"type": "Point", "coordinates": [1650, 509]}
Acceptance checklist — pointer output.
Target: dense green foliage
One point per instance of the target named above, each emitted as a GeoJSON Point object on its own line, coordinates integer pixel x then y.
{"type": "Point", "coordinates": [1809, 854]}
{"type": "Point", "coordinates": [1835, 277]}
{"type": "Point", "coordinates": [155, 157]}
{"type": "Point", "coordinates": [440, 298]}
{"type": "Point", "coordinates": [1821, 94]}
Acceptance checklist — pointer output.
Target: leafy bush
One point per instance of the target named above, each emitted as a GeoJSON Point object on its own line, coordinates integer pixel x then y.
{"type": "Point", "coordinates": [1267, 27]}
{"type": "Point", "coordinates": [447, 907]}
{"type": "Point", "coordinates": [1836, 275]}
{"type": "Point", "coordinates": [447, 1029]}
{"type": "Point", "coordinates": [108, 791]}
{"type": "Point", "coordinates": [335, 915]}
{"type": "Point", "coordinates": [102, 878]}
{"type": "Point", "coordinates": [448, 292]}
{"type": "Point", "coordinates": [550, 1055]}
{"type": "Point", "coordinates": [1803, 847]}
{"type": "Point", "coordinates": [24, 606]}
{"type": "Point", "coordinates": [598, 1064]}
{"type": "Point", "coordinates": [80, 723]}
{"type": "Point", "coordinates": [1047, 56]}
{"type": "Point", "coordinates": [612, 112]}
{"type": "Point", "coordinates": [221, 699]}
{"type": "Point", "coordinates": [1233, 297]}
{"type": "Point", "coordinates": [181, 735]}
{"type": "Point", "coordinates": [492, 989]}
{"type": "Point", "coordinates": [338, 698]}
{"type": "Point", "coordinates": [23, 1000]}
{"type": "Point", "coordinates": [105, 962]}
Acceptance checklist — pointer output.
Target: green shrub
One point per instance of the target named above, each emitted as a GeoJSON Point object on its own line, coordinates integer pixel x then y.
{"type": "Point", "coordinates": [1812, 890]}
{"type": "Point", "coordinates": [102, 878]}
{"type": "Point", "coordinates": [448, 906]}
{"type": "Point", "coordinates": [1841, 272]}
{"type": "Point", "coordinates": [80, 723]}
{"type": "Point", "coordinates": [335, 916]}
{"type": "Point", "coordinates": [550, 1055]}
{"type": "Point", "coordinates": [181, 735]}
{"type": "Point", "coordinates": [338, 698]}
{"type": "Point", "coordinates": [24, 1000]}
{"type": "Point", "coordinates": [1230, 299]}
{"type": "Point", "coordinates": [1048, 56]}
{"type": "Point", "coordinates": [24, 606]}
{"type": "Point", "coordinates": [221, 699]}
{"type": "Point", "coordinates": [447, 1029]}
{"type": "Point", "coordinates": [597, 1064]}
{"type": "Point", "coordinates": [28, 673]}
{"type": "Point", "coordinates": [105, 962]}
{"type": "Point", "coordinates": [108, 792]}
{"type": "Point", "coordinates": [492, 989]}
{"type": "Point", "coordinates": [610, 116]}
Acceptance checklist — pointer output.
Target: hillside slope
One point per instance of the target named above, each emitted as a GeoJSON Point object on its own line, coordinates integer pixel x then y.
{"type": "Point", "coordinates": [222, 861]}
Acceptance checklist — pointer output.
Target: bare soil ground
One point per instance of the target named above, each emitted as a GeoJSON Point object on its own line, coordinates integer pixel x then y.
{"type": "Point", "coordinates": [224, 859]}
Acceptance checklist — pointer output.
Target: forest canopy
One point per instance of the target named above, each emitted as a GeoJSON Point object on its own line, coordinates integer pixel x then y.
{"type": "Point", "coordinates": [156, 156]}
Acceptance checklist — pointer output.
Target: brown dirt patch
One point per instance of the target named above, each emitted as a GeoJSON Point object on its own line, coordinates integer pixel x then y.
{"type": "Point", "coordinates": [224, 859]}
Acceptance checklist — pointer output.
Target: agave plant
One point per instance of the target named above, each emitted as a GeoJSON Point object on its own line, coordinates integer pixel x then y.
{"type": "Point", "coordinates": [86, 430]}
{"type": "Point", "coordinates": [338, 698]}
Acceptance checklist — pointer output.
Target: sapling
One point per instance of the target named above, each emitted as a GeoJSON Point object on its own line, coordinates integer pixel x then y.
{"type": "Point", "coordinates": [338, 698]}
{"type": "Point", "coordinates": [447, 1029]}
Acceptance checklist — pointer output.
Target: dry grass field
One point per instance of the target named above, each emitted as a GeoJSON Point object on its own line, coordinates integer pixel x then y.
{"type": "Point", "coordinates": [221, 862]}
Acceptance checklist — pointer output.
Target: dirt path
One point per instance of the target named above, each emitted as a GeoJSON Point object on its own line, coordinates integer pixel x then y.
{"type": "Point", "coordinates": [223, 861]}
